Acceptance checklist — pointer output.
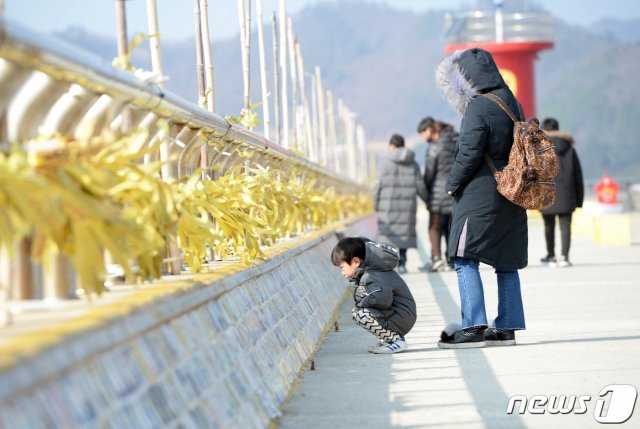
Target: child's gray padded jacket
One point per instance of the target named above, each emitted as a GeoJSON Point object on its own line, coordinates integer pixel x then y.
{"type": "Point", "coordinates": [380, 289]}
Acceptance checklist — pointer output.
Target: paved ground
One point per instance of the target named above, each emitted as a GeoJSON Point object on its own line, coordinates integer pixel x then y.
{"type": "Point", "coordinates": [583, 335]}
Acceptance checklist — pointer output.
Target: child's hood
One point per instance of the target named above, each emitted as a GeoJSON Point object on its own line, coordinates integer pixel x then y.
{"type": "Point", "coordinates": [380, 256]}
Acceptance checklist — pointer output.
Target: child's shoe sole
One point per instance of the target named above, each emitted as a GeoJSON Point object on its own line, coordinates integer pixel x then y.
{"type": "Point", "coordinates": [396, 347]}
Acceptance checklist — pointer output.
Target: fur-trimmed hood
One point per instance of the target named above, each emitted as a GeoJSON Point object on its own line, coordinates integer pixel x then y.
{"type": "Point", "coordinates": [561, 134]}
{"type": "Point", "coordinates": [462, 75]}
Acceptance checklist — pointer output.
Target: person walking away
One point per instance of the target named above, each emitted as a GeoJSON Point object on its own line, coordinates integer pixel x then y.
{"type": "Point", "coordinates": [569, 194]}
{"type": "Point", "coordinates": [485, 226]}
{"type": "Point", "coordinates": [397, 184]}
{"type": "Point", "coordinates": [440, 154]}
{"type": "Point", "coordinates": [384, 305]}
{"type": "Point", "coordinates": [427, 130]}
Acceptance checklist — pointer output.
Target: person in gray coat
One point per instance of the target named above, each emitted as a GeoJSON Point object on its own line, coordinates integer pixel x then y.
{"type": "Point", "coordinates": [485, 227]}
{"type": "Point", "coordinates": [384, 305]}
{"type": "Point", "coordinates": [394, 198]}
{"type": "Point", "coordinates": [569, 194]}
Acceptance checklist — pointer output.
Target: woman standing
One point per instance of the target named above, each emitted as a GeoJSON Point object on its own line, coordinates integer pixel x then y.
{"type": "Point", "coordinates": [485, 227]}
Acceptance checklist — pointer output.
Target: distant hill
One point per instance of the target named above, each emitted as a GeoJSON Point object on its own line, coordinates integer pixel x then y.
{"type": "Point", "coordinates": [381, 61]}
{"type": "Point", "coordinates": [623, 31]}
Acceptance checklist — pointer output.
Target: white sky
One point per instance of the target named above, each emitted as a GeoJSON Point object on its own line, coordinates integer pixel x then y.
{"type": "Point", "coordinates": [176, 16]}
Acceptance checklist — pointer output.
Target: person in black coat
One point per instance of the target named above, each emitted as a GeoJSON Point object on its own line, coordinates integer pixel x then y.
{"type": "Point", "coordinates": [569, 194]}
{"type": "Point", "coordinates": [485, 227]}
{"type": "Point", "coordinates": [441, 139]}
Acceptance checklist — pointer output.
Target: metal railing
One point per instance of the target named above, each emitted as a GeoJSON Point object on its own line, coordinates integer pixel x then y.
{"type": "Point", "coordinates": [48, 87]}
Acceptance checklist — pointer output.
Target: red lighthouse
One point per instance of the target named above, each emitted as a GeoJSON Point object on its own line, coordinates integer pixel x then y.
{"type": "Point", "coordinates": [514, 38]}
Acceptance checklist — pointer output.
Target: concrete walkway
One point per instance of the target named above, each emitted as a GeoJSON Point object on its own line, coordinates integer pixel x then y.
{"type": "Point", "coordinates": [583, 335]}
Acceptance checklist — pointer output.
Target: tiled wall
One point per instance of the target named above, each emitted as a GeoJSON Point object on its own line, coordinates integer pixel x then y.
{"type": "Point", "coordinates": [197, 360]}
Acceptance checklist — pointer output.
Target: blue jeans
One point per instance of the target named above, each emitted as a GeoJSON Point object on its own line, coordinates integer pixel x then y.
{"type": "Point", "coordinates": [510, 308]}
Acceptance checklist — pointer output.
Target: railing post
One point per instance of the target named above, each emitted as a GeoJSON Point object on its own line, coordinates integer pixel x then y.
{"type": "Point", "coordinates": [5, 284]}
{"type": "Point", "coordinates": [57, 283]}
{"type": "Point", "coordinates": [21, 282]}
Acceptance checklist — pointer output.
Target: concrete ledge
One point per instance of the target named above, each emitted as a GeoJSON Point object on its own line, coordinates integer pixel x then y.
{"type": "Point", "coordinates": [604, 226]}
{"type": "Point", "coordinates": [612, 230]}
{"type": "Point", "coordinates": [604, 229]}
{"type": "Point", "coordinates": [213, 350]}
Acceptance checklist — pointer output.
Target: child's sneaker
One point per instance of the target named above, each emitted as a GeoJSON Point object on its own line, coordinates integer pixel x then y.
{"type": "Point", "coordinates": [379, 344]}
{"type": "Point", "coordinates": [388, 348]}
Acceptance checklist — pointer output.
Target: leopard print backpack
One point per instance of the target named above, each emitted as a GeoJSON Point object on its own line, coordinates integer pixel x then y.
{"type": "Point", "coordinates": [528, 178]}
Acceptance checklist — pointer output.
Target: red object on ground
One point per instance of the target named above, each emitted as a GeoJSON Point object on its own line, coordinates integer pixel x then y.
{"type": "Point", "coordinates": [516, 63]}
{"type": "Point", "coordinates": [607, 190]}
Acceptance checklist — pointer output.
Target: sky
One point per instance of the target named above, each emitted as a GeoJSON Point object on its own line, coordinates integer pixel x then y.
{"type": "Point", "coordinates": [176, 18]}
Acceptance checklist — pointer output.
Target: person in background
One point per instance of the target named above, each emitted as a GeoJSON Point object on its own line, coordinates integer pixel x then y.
{"type": "Point", "coordinates": [426, 128]}
{"type": "Point", "coordinates": [441, 139]}
{"type": "Point", "coordinates": [485, 226]}
{"type": "Point", "coordinates": [394, 197]}
{"type": "Point", "coordinates": [569, 194]}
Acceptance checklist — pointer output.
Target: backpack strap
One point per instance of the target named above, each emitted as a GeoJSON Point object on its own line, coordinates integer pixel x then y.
{"type": "Point", "coordinates": [504, 106]}
{"type": "Point", "coordinates": [509, 112]}
{"type": "Point", "coordinates": [492, 166]}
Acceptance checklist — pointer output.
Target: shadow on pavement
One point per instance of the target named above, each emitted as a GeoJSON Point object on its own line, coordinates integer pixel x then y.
{"type": "Point", "coordinates": [582, 340]}
{"type": "Point", "coordinates": [473, 363]}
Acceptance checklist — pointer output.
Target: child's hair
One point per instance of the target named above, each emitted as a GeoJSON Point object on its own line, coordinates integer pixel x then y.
{"type": "Point", "coordinates": [349, 248]}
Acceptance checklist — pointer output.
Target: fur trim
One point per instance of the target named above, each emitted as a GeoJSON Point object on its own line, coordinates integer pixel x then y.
{"type": "Point", "coordinates": [562, 134]}
{"type": "Point", "coordinates": [455, 87]}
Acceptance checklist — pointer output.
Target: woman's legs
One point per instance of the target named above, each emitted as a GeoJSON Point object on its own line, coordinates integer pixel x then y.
{"type": "Point", "coordinates": [445, 227]}
{"type": "Point", "coordinates": [510, 308]}
{"type": "Point", "coordinates": [435, 235]}
{"type": "Point", "coordinates": [472, 307]}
